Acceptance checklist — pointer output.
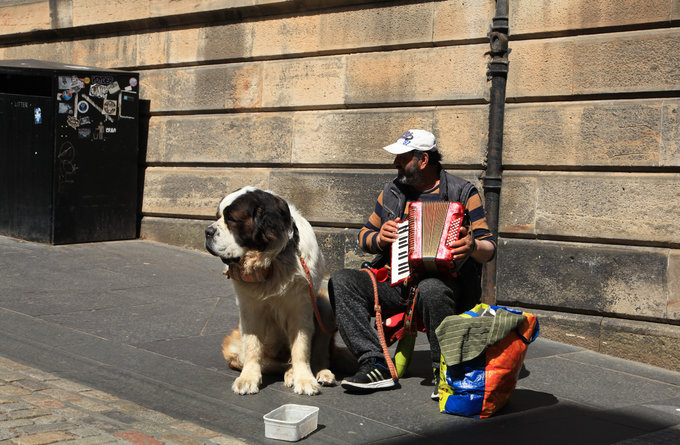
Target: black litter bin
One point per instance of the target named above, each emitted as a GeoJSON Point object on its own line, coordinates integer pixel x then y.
{"type": "Point", "coordinates": [68, 152]}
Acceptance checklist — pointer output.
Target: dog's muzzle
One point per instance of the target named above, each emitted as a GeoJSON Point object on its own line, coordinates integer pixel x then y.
{"type": "Point", "coordinates": [210, 232]}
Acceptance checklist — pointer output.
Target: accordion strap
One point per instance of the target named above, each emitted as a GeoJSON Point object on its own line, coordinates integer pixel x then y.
{"type": "Point", "coordinates": [409, 325]}
{"type": "Point", "coordinates": [379, 325]}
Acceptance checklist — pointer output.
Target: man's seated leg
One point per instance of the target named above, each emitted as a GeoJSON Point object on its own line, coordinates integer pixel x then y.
{"type": "Point", "coordinates": [353, 301]}
{"type": "Point", "coordinates": [436, 301]}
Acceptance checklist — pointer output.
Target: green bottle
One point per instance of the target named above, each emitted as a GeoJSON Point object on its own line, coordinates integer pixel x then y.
{"type": "Point", "coordinates": [402, 356]}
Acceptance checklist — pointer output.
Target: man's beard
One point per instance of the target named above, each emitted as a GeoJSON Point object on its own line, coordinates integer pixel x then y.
{"type": "Point", "coordinates": [410, 175]}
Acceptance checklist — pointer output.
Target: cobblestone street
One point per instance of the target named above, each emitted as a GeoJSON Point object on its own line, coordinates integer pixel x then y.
{"type": "Point", "coordinates": [40, 408]}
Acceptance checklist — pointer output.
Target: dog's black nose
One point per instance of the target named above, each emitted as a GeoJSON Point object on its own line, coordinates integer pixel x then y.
{"type": "Point", "coordinates": [210, 232]}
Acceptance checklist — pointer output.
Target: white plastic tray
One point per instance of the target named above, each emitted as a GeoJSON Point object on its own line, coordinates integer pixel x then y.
{"type": "Point", "coordinates": [290, 422]}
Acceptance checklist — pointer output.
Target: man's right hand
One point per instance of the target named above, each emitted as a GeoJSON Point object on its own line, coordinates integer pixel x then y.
{"type": "Point", "coordinates": [387, 234]}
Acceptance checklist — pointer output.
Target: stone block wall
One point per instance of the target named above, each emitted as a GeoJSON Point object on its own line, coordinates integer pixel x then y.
{"type": "Point", "coordinates": [298, 96]}
{"type": "Point", "coordinates": [588, 209]}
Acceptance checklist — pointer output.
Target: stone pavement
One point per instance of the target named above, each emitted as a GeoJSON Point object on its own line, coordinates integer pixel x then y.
{"type": "Point", "coordinates": [120, 341]}
{"type": "Point", "coordinates": [40, 408]}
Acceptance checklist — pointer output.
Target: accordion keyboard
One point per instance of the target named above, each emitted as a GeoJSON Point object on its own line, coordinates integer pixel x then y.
{"type": "Point", "coordinates": [399, 263]}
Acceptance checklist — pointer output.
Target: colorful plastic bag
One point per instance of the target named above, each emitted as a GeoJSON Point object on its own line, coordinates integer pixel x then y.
{"type": "Point", "coordinates": [482, 353]}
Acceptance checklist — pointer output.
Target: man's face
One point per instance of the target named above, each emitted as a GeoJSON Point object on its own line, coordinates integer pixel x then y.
{"type": "Point", "coordinates": [408, 168]}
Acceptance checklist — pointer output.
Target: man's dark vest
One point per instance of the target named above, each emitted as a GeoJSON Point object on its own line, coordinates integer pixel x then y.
{"type": "Point", "coordinates": [451, 188]}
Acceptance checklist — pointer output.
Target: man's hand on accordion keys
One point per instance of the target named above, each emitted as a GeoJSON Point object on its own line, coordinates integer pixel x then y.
{"type": "Point", "coordinates": [388, 234]}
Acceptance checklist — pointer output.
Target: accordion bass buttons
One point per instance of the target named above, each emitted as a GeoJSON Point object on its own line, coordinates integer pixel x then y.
{"type": "Point", "coordinates": [454, 233]}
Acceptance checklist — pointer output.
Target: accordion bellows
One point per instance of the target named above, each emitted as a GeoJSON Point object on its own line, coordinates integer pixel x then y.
{"type": "Point", "coordinates": [424, 244]}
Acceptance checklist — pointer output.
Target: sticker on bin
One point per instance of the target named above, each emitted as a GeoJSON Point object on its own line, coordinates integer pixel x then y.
{"type": "Point", "coordinates": [290, 422]}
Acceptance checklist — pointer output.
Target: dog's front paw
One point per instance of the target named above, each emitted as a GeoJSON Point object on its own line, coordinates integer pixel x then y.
{"type": "Point", "coordinates": [301, 385]}
{"type": "Point", "coordinates": [308, 387]}
{"type": "Point", "coordinates": [246, 385]}
{"type": "Point", "coordinates": [325, 377]}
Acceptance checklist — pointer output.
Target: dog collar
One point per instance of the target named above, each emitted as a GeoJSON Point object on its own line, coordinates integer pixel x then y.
{"type": "Point", "coordinates": [258, 274]}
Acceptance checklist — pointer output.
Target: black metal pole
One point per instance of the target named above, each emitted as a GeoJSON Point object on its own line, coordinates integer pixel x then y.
{"type": "Point", "coordinates": [498, 73]}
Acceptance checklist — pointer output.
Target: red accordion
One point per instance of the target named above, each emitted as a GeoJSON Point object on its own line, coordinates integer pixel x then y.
{"type": "Point", "coordinates": [424, 241]}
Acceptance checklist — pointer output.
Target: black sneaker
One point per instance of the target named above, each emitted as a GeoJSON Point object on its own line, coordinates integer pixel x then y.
{"type": "Point", "coordinates": [372, 374]}
{"type": "Point", "coordinates": [435, 393]}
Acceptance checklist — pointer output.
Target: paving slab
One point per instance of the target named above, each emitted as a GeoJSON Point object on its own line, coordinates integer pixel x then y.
{"type": "Point", "coordinates": [143, 323]}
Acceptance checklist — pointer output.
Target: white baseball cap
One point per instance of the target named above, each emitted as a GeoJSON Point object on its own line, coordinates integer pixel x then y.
{"type": "Point", "coordinates": [420, 140]}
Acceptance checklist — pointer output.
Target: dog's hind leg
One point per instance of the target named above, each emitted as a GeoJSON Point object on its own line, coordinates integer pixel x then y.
{"type": "Point", "coordinates": [231, 350]}
{"type": "Point", "coordinates": [322, 342]}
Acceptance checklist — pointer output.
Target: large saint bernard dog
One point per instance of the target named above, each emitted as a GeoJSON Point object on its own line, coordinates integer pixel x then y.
{"type": "Point", "coordinates": [266, 243]}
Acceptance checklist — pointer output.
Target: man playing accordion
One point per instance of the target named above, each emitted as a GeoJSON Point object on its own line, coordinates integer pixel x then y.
{"type": "Point", "coordinates": [420, 177]}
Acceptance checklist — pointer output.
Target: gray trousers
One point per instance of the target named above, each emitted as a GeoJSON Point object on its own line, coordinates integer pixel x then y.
{"type": "Point", "coordinates": [351, 294]}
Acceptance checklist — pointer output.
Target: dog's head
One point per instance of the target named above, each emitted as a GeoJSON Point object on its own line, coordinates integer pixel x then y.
{"type": "Point", "coordinates": [250, 222]}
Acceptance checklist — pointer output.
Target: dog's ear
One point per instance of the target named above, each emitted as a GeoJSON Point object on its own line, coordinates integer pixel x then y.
{"type": "Point", "coordinates": [271, 219]}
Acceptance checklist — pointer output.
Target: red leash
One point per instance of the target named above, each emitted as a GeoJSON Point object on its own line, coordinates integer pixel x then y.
{"type": "Point", "coordinates": [313, 297]}
{"type": "Point", "coordinates": [379, 325]}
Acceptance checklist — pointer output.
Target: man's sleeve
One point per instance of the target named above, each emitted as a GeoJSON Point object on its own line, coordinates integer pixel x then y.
{"type": "Point", "coordinates": [478, 224]}
{"type": "Point", "coordinates": [368, 235]}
